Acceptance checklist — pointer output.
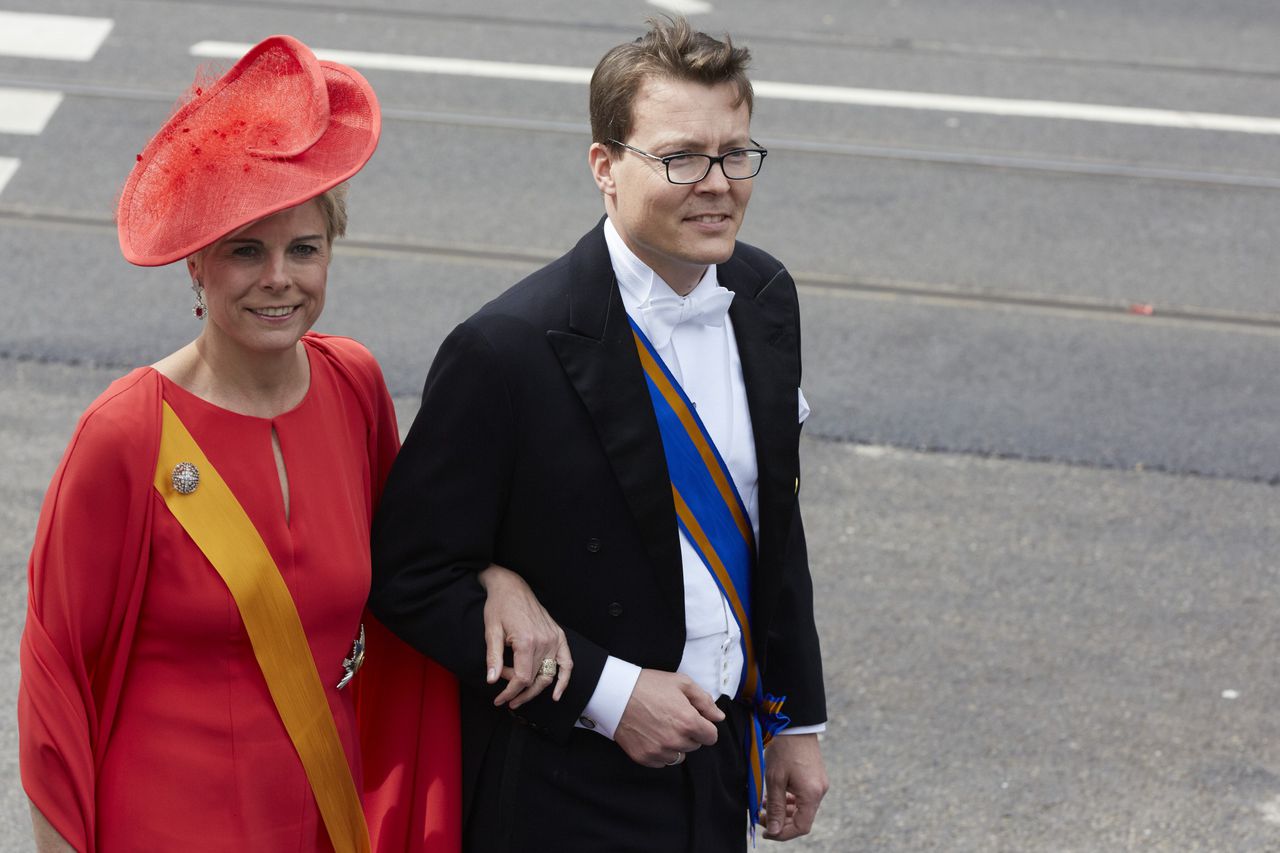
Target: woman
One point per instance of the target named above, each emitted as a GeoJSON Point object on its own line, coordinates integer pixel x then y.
{"type": "Point", "coordinates": [201, 562]}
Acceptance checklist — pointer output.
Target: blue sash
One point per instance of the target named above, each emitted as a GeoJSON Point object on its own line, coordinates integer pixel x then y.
{"type": "Point", "coordinates": [714, 519]}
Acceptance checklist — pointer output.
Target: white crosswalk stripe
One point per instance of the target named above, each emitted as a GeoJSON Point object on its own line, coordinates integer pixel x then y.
{"type": "Point", "coordinates": [8, 165]}
{"type": "Point", "coordinates": [26, 111]}
{"type": "Point", "coordinates": [52, 36]}
{"type": "Point", "coordinates": [38, 36]}
{"type": "Point", "coordinates": [683, 7]}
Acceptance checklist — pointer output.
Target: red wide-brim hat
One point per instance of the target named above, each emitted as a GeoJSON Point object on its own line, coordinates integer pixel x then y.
{"type": "Point", "coordinates": [277, 129]}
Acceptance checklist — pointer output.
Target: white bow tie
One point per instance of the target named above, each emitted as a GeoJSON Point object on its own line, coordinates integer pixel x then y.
{"type": "Point", "coordinates": [664, 312]}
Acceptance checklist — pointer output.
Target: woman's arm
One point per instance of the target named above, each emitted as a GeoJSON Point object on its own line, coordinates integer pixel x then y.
{"type": "Point", "coordinates": [85, 583]}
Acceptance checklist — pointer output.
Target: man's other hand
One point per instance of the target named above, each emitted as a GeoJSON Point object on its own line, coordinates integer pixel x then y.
{"type": "Point", "coordinates": [795, 782]}
{"type": "Point", "coordinates": [666, 717]}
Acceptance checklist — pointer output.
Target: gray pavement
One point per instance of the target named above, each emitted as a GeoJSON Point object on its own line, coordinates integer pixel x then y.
{"type": "Point", "coordinates": [1021, 656]}
{"type": "Point", "coordinates": [1043, 526]}
{"type": "Point", "coordinates": [1033, 657]}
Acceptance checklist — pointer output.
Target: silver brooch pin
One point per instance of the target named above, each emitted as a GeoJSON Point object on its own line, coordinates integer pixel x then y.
{"type": "Point", "coordinates": [351, 665]}
{"type": "Point", "coordinates": [186, 477]}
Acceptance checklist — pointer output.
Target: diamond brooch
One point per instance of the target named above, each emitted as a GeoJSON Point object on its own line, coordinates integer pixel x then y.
{"type": "Point", "coordinates": [186, 477]}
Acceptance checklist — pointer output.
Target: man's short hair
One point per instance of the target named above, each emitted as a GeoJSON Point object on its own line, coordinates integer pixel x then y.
{"type": "Point", "coordinates": [673, 50]}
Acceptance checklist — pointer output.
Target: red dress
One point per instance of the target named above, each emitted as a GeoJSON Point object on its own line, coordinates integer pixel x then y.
{"type": "Point", "coordinates": [145, 722]}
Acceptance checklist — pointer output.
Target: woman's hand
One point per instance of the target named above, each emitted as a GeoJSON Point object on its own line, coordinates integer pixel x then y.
{"type": "Point", "coordinates": [514, 617]}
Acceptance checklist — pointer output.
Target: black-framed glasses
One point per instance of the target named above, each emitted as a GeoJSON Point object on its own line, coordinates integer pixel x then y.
{"type": "Point", "coordinates": [737, 165]}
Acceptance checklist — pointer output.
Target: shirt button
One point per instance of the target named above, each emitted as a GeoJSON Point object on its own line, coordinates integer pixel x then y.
{"type": "Point", "coordinates": [593, 545]}
{"type": "Point", "coordinates": [615, 609]}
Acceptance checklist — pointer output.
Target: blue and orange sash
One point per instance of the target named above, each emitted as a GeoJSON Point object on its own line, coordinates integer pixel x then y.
{"type": "Point", "coordinates": [714, 519]}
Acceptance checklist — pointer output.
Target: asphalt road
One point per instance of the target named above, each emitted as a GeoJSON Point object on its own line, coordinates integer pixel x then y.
{"type": "Point", "coordinates": [1043, 459]}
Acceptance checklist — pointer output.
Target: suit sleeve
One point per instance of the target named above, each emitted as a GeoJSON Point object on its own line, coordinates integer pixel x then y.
{"type": "Point", "coordinates": [439, 519]}
{"type": "Point", "coordinates": [794, 665]}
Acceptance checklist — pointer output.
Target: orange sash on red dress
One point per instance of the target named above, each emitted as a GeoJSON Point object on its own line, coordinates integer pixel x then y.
{"type": "Point", "coordinates": [218, 525]}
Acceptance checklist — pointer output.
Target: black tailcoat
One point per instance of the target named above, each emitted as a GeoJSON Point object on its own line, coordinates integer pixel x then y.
{"type": "Point", "coordinates": [537, 448]}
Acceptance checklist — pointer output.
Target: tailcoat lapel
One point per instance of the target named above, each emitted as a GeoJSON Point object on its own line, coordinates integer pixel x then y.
{"type": "Point", "coordinates": [599, 356]}
{"type": "Point", "coordinates": [763, 315]}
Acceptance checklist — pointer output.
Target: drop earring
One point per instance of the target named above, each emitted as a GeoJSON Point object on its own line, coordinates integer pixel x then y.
{"type": "Point", "coordinates": [200, 309]}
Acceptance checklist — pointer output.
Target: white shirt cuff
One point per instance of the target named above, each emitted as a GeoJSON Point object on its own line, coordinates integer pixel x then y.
{"type": "Point", "coordinates": [612, 693]}
{"type": "Point", "coordinates": [804, 730]}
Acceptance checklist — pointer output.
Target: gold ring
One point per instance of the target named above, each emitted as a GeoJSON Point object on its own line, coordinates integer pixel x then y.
{"type": "Point", "coordinates": [549, 667]}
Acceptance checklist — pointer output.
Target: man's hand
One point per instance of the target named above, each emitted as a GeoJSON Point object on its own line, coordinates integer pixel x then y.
{"type": "Point", "coordinates": [667, 716]}
{"type": "Point", "coordinates": [795, 782]}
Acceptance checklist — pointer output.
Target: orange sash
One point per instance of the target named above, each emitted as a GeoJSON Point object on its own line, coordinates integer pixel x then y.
{"type": "Point", "coordinates": [216, 522]}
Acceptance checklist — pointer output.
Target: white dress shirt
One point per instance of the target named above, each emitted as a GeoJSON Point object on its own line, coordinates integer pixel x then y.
{"type": "Point", "coordinates": [704, 360]}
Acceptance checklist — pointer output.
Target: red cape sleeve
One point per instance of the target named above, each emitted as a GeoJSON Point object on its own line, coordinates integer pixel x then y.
{"type": "Point", "coordinates": [85, 582]}
{"type": "Point", "coordinates": [410, 748]}
{"type": "Point", "coordinates": [406, 704]}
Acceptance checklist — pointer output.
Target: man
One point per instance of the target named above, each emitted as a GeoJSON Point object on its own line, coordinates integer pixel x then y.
{"type": "Point", "coordinates": [550, 440]}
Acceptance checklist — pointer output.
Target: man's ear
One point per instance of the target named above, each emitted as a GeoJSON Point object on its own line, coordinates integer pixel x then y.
{"type": "Point", "coordinates": [600, 158]}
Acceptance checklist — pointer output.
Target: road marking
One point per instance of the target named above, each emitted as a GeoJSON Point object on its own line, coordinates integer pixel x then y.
{"type": "Point", "coordinates": [799, 92]}
{"type": "Point", "coordinates": [52, 36]}
{"type": "Point", "coordinates": [8, 165]}
{"type": "Point", "coordinates": [1020, 108]}
{"type": "Point", "coordinates": [683, 7]}
{"type": "Point", "coordinates": [418, 64]}
{"type": "Point", "coordinates": [26, 111]}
